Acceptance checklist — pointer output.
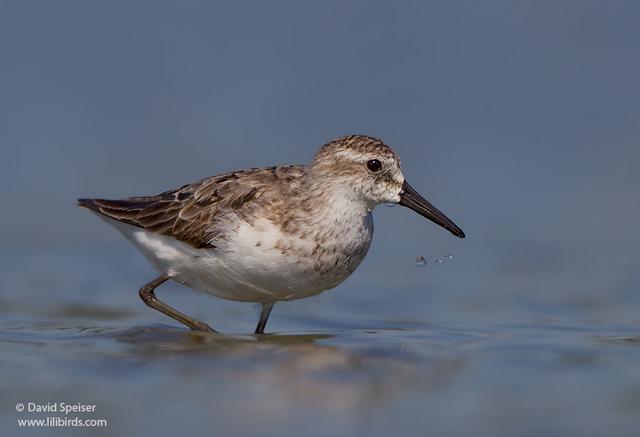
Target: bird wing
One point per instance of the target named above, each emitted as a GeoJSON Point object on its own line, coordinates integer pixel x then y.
{"type": "Point", "coordinates": [188, 213]}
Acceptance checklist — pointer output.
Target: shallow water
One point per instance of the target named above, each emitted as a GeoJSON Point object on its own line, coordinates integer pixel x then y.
{"type": "Point", "coordinates": [365, 359]}
{"type": "Point", "coordinates": [519, 120]}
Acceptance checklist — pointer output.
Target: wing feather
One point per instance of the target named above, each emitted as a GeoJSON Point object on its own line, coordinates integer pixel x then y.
{"type": "Point", "coordinates": [189, 213]}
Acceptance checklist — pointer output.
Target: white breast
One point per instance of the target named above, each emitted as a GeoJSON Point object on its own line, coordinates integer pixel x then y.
{"type": "Point", "coordinates": [258, 262]}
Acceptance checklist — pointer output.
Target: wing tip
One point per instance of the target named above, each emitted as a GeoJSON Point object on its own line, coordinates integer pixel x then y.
{"type": "Point", "coordinates": [88, 203]}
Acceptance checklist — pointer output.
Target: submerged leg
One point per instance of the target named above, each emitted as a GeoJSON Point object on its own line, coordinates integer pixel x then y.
{"type": "Point", "coordinates": [264, 316]}
{"type": "Point", "coordinates": [149, 297]}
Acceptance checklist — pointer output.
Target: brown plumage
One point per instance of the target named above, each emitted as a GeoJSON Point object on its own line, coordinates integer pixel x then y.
{"type": "Point", "coordinates": [268, 234]}
{"type": "Point", "coordinates": [188, 213]}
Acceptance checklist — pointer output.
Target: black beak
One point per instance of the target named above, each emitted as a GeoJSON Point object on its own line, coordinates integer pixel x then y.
{"type": "Point", "coordinates": [411, 199]}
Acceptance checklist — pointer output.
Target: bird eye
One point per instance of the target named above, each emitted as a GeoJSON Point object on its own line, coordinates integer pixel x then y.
{"type": "Point", "coordinates": [374, 165]}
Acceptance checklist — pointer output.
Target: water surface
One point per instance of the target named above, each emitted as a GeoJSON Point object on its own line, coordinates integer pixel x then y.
{"type": "Point", "coordinates": [361, 359]}
{"type": "Point", "coordinates": [519, 120]}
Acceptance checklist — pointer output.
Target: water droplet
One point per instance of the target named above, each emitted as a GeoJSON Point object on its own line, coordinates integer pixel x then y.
{"type": "Point", "coordinates": [420, 261]}
{"type": "Point", "coordinates": [437, 261]}
{"type": "Point", "coordinates": [390, 204]}
{"type": "Point", "coordinates": [448, 257]}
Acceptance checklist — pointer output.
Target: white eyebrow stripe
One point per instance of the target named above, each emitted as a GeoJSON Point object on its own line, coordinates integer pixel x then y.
{"type": "Point", "coordinates": [349, 154]}
{"type": "Point", "coordinates": [353, 155]}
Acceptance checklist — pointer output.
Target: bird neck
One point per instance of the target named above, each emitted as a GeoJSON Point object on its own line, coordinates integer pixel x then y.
{"type": "Point", "coordinates": [334, 202]}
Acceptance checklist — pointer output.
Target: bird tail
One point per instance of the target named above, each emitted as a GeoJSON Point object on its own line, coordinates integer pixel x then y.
{"type": "Point", "coordinates": [124, 210]}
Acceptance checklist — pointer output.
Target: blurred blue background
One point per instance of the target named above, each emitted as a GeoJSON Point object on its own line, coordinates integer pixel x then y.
{"type": "Point", "coordinates": [519, 119]}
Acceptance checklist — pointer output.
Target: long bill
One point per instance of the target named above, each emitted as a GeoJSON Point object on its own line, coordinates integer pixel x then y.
{"type": "Point", "coordinates": [412, 199]}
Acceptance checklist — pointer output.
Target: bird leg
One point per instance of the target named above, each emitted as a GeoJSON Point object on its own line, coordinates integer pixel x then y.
{"type": "Point", "coordinates": [264, 316]}
{"type": "Point", "coordinates": [149, 297]}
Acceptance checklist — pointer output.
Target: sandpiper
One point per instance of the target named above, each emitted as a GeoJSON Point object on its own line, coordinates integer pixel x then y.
{"type": "Point", "coordinates": [269, 234]}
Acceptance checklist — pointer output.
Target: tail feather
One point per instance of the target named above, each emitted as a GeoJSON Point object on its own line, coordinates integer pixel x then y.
{"type": "Point", "coordinates": [159, 214]}
{"type": "Point", "coordinates": [88, 203]}
{"type": "Point", "coordinates": [123, 210]}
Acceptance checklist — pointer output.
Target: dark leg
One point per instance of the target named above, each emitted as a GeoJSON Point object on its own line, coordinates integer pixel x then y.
{"type": "Point", "coordinates": [149, 297]}
{"type": "Point", "coordinates": [264, 316]}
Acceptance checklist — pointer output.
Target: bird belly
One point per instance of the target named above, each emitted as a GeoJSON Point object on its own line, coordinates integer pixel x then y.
{"type": "Point", "coordinates": [268, 264]}
{"type": "Point", "coordinates": [258, 265]}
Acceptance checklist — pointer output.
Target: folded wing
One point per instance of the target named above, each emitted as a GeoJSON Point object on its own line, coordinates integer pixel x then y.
{"type": "Point", "coordinates": [187, 213]}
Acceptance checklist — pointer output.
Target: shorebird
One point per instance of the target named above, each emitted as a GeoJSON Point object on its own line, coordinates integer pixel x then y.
{"type": "Point", "coordinates": [270, 234]}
